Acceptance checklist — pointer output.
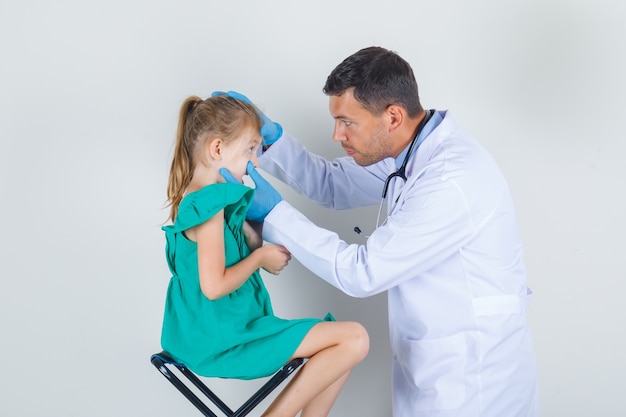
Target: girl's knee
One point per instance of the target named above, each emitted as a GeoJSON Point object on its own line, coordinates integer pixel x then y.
{"type": "Point", "coordinates": [359, 340]}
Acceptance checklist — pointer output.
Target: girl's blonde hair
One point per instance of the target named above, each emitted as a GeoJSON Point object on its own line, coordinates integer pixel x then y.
{"type": "Point", "coordinates": [218, 116]}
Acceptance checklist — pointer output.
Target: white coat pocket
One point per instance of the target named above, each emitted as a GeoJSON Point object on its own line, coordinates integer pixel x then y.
{"type": "Point", "coordinates": [436, 368]}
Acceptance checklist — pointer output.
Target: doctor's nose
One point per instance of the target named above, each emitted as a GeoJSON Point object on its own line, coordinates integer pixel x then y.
{"type": "Point", "coordinates": [338, 133]}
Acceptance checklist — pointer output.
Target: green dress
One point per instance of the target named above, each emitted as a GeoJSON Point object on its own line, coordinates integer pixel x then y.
{"type": "Point", "coordinates": [237, 335]}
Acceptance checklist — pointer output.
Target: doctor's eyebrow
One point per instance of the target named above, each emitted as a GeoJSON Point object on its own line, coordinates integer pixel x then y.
{"type": "Point", "coordinates": [343, 119]}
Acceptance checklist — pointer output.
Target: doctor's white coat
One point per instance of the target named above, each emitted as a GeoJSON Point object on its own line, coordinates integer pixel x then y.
{"type": "Point", "coordinates": [449, 256]}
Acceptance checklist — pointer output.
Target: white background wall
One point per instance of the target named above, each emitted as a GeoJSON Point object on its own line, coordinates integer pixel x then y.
{"type": "Point", "coordinates": [89, 95]}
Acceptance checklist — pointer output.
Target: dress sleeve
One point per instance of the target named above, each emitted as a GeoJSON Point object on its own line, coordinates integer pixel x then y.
{"type": "Point", "coordinates": [199, 206]}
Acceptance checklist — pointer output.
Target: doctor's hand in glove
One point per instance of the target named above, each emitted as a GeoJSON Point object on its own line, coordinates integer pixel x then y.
{"type": "Point", "coordinates": [265, 196]}
{"type": "Point", "coordinates": [270, 131]}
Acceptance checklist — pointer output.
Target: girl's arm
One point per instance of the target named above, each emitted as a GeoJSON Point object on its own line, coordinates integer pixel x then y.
{"type": "Point", "coordinates": [253, 232]}
{"type": "Point", "coordinates": [215, 279]}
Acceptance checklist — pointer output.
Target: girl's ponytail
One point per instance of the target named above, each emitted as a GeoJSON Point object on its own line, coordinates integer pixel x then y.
{"type": "Point", "coordinates": [183, 165]}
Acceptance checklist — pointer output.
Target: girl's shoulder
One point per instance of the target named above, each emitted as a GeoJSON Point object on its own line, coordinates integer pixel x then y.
{"type": "Point", "coordinates": [199, 206]}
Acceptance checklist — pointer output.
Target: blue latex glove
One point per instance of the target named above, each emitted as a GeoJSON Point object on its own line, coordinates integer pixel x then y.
{"type": "Point", "coordinates": [265, 196]}
{"type": "Point", "coordinates": [270, 131]}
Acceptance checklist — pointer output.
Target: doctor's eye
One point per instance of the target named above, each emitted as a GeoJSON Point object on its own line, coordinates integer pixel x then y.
{"type": "Point", "coordinates": [346, 122]}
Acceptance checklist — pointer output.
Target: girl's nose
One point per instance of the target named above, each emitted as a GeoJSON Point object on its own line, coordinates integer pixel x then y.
{"type": "Point", "coordinates": [254, 160]}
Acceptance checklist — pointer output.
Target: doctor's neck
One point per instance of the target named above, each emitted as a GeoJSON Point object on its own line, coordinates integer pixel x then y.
{"type": "Point", "coordinates": [408, 132]}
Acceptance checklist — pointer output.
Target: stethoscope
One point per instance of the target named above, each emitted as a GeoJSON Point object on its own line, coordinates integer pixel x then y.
{"type": "Point", "coordinates": [401, 172]}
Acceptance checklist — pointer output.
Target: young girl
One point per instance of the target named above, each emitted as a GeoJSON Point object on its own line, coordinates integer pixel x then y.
{"type": "Point", "coordinates": [218, 315]}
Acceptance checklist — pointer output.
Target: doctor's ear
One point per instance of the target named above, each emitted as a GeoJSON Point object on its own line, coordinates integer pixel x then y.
{"type": "Point", "coordinates": [395, 116]}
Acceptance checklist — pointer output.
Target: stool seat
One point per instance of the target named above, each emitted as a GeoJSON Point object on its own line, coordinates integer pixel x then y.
{"type": "Point", "coordinates": [163, 361]}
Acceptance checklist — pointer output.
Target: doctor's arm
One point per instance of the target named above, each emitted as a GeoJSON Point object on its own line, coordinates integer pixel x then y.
{"type": "Point", "coordinates": [337, 184]}
{"type": "Point", "coordinates": [412, 241]}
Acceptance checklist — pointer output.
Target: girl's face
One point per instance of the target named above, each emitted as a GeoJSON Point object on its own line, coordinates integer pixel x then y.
{"type": "Point", "coordinates": [237, 153]}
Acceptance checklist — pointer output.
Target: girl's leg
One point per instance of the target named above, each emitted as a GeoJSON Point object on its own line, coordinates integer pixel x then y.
{"type": "Point", "coordinates": [321, 405]}
{"type": "Point", "coordinates": [333, 349]}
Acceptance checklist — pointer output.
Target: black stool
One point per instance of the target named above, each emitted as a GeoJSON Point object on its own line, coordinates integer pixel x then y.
{"type": "Point", "coordinates": [162, 360]}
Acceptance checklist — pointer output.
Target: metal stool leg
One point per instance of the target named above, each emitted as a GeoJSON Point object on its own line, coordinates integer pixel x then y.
{"type": "Point", "coordinates": [163, 359]}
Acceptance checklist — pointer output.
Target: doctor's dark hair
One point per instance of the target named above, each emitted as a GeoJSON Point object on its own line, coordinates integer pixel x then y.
{"type": "Point", "coordinates": [201, 120]}
{"type": "Point", "coordinates": [379, 77]}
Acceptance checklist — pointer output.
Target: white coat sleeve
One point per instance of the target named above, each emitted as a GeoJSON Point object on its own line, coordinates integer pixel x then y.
{"type": "Point", "coordinates": [425, 232]}
{"type": "Point", "coordinates": [340, 184]}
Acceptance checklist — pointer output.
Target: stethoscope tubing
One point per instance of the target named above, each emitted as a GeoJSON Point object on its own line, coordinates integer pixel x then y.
{"type": "Point", "coordinates": [401, 172]}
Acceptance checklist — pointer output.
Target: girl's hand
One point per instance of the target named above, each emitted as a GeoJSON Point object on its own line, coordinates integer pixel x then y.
{"type": "Point", "coordinates": [274, 258]}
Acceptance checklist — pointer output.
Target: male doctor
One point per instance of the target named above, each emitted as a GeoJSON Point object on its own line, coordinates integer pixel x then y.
{"type": "Point", "coordinates": [447, 251]}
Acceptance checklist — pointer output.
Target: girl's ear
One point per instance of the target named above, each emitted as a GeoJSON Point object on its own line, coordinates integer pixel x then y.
{"type": "Point", "coordinates": [214, 148]}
